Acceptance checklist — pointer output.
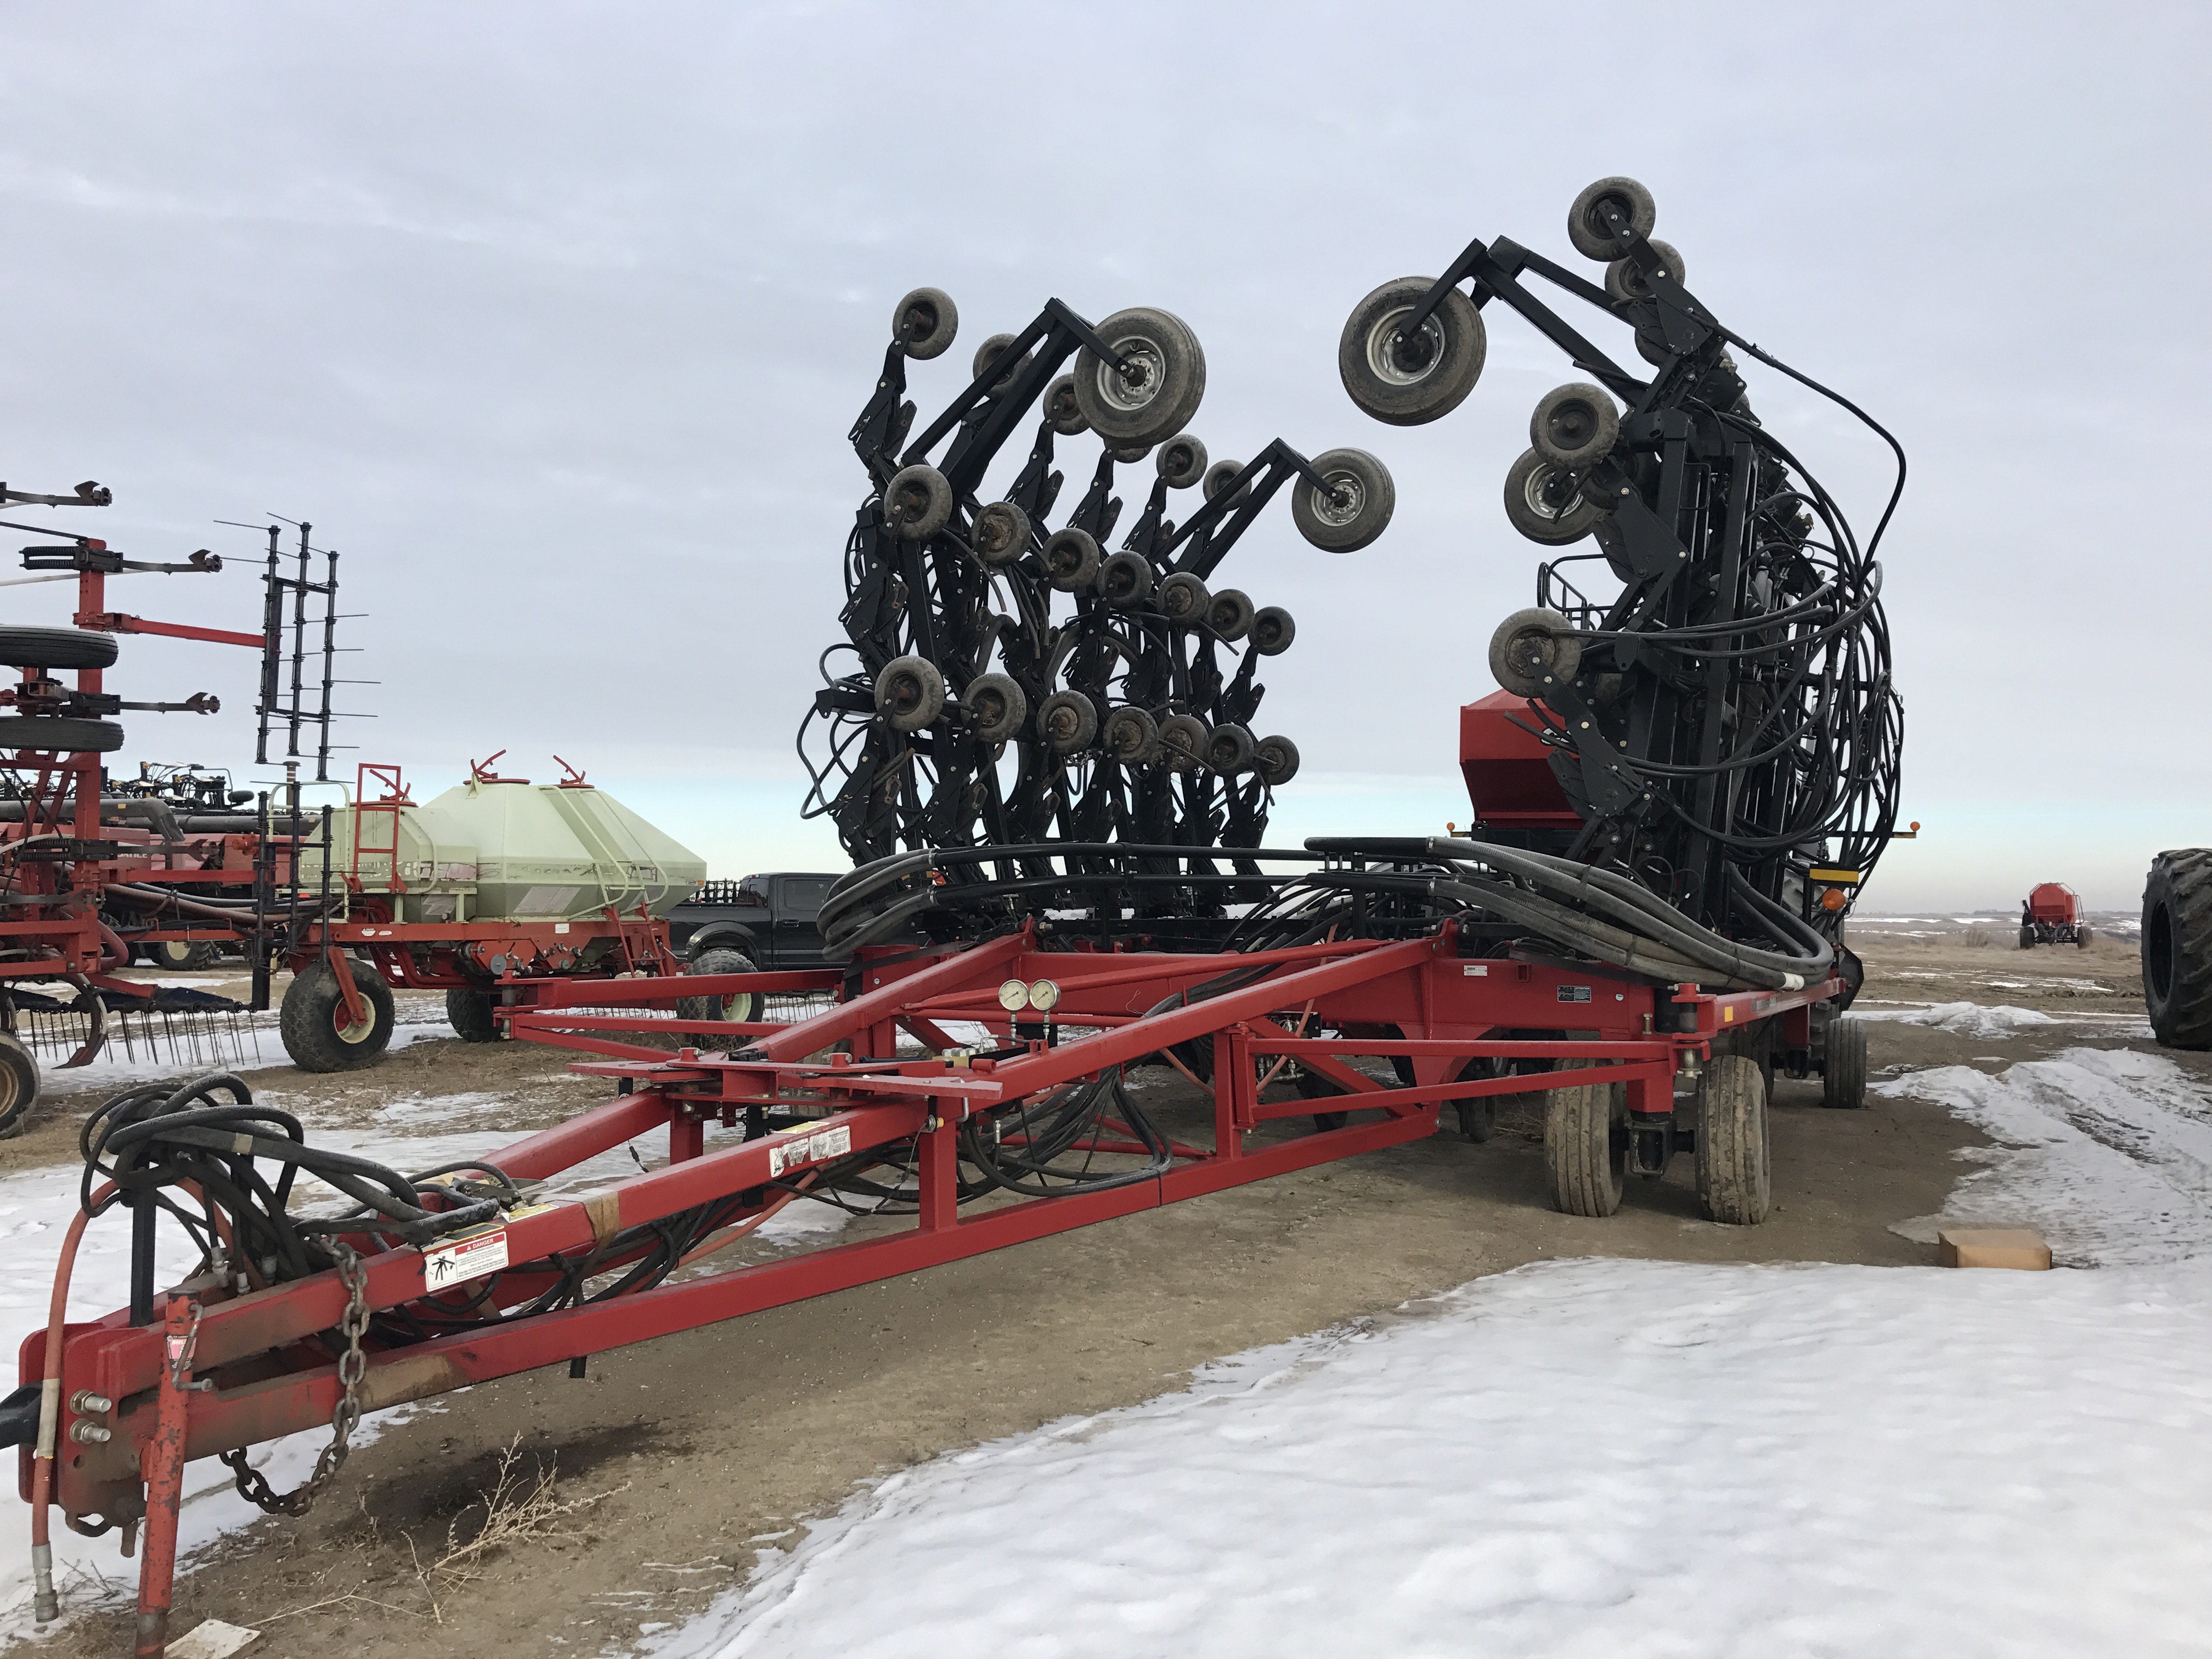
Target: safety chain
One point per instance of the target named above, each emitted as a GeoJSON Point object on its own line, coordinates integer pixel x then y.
{"type": "Point", "coordinates": [353, 1365]}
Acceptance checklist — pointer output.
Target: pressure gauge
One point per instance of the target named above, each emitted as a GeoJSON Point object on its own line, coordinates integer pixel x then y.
{"type": "Point", "coordinates": [1013, 995]}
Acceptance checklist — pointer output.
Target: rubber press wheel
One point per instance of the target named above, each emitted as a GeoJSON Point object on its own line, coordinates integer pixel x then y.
{"type": "Point", "coordinates": [1735, 1177]}
{"type": "Point", "coordinates": [19, 1084]}
{"type": "Point", "coordinates": [1355, 507]}
{"type": "Point", "coordinates": [2177, 948]}
{"type": "Point", "coordinates": [1578, 1152]}
{"type": "Point", "coordinates": [468, 1011]}
{"type": "Point", "coordinates": [1154, 389]}
{"type": "Point", "coordinates": [1843, 1065]}
{"type": "Point", "coordinates": [1405, 380]}
{"type": "Point", "coordinates": [314, 1025]}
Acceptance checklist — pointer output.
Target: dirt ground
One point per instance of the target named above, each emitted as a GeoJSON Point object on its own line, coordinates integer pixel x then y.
{"type": "Point", "coordinates": [688, 1455]}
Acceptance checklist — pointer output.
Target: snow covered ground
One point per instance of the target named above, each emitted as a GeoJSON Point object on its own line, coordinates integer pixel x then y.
{"type": "Point", "coordinates": [1609, 1457]}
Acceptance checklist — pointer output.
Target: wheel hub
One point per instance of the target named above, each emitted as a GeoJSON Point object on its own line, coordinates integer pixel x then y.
{"type": "Point", "coordinates": [1402, 359]}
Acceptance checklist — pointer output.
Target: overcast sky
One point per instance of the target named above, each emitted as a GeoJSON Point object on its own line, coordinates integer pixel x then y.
{"type": "Point", "coordinates": [553, 319]}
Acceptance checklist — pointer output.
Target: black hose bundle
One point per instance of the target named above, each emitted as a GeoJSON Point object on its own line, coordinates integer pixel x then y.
{"type": "Point", "coordinates": [157, 1139]}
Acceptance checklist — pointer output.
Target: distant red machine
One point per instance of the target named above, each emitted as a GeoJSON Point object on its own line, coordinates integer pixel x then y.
{"type": "Point", "coordinates": [2051, 915]}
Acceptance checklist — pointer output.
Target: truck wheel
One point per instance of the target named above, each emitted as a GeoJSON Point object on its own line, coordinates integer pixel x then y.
{"type": "Point", "coordinates": [313, 1021]}
{"type": "Point", "coordinates": [2177, 948]}
{"type": "Point", "coordinates": [182, 955]}
{"type": "Point", "coordinates": [1578, 1153]}
{"type": "Point", "coordinates": [19, 1084]}
{"type": "Point", "coordinates": [1735, 1178]}
{"type": "Point", "coordinates": [1843, 1065]}
{"type": "Point", "coordinates": [738, 1004]}
{"type": "Point", "coordinates": [468, 1011]}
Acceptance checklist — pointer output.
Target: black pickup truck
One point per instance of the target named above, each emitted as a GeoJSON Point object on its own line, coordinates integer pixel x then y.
{"type": "Point", "coordinates": [765, 923]}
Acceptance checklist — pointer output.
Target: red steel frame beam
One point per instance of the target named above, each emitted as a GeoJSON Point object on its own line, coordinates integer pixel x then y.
{"type": "Point", "coordinates": [1421, 987]}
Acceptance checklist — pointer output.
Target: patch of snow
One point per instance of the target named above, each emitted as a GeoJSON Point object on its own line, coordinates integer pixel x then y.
{"type": "Point", "coordinates": [1574, 1458]}
{"type": "Point", "coordinates": [1966, 1018]}
{"type": "Point", "coordinates": [2106, 1151]}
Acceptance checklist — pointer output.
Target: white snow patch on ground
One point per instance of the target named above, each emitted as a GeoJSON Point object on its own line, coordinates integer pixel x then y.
{"type": "Point", "coordinates": [2106, 1151]}
{"type": "Point", "coordinates": [1610, 1457]}
{"type": "Point", "coordinates": [1577, 1458]}
{"type": "Point", "coordinates": [1965, 1018]}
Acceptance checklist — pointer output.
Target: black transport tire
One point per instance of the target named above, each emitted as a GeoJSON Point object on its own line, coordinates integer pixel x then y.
{"type": "Point", "coordinates": [19, 1084]}
{"type": "Point", "coordinates": [1125, 580]}
{"type": "Point", "coordinates": [1001, 534]}
{"type": "Point", "coordinates": [1153, 396]}
{"type": "Point", "coordinates": [917, 501]}
{"type": "Point", "coordinates": [468, 1011]}
{"type": "Point", "coordinates": [2083, 938]}
{"type": "Point", "coordinates": [1533, 648]}
{"type": "Point", "coordinates": [2027, 938]}
{"type": "Point", "coordinates": [2177, 948]}
{"type": "Point", "coordinates": [1578, 1155]}
{"type": "Point", "coordinates": [1357, 509]}
{"type": "Point", "coordinates": [1069, 722]}
{"type": "Point", "coordinates": [308, 1021]}
{"type": "Point", "coordinates": [1219, 477]}
{"type": "Point", "coordinates": [1592, 237]}
{"type": "Point", "coordinates": [1130, 736]}
{"type": "Point", "coordinates": [56, 648]}
{"type": "Point", "coordinates": [925, 322]}
{"type": "Point", "coordinates": [1231, 613]}
{"type": "Point", "coordinates": [1546, 503]}
{"type": "Point", "coordinates": [1843, 1065]}
{"type": "Point", "coordinates": [1276, 760]}
{"type": "Point", "coordinates": [1446, 363]}
{"type": "Point", "coordinates": [181, 955]}
{"type": "Point", "coordinates": [987, 353]}
{"type": "Point", "coordinates": [59, 734]}
{"type": "Point", "coordinates": [738, 1004]}
{"type": "Point", "coordinates": [1625, 283]}
{"type": "Point", "coordinates": [910, 693]}
{"type": "Point", "coordinates": [1184, 599]}
{"type": "Point", "coordinates": [1063, 410]}
{"type": "Point", "coordinates": [1182, 461]}
{"type": "Point", "coordinates": [1272, 630]}
{"type": "Point", "coordinates": [1735, 1177]}
{"type": "Point", "coordinates": [997, 708]}
{"type": "Point", "coordinates": [1575, 426]}
{"type": "Point", "coordinates": [1183, 742]}
{"type": "Point", "coordinates": [1071, 559]}
{"type": "Point", "coordinates": [1229, 749]}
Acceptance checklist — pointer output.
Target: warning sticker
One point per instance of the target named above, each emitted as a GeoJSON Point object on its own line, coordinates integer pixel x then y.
{"type": "Point", "coordinates": [466, 1256]}
{"type": "Point", "coordinates": [809, 1148]}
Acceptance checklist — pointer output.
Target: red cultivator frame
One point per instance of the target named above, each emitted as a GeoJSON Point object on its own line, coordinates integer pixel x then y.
{"type": "Point", "coordinates": [207, 1369]}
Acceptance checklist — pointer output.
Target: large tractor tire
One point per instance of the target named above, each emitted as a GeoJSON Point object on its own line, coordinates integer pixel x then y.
{"type": "Point", "coordinates": [314, 1025]}
{"type": "Point", "coordinates": [468, 1011]}
{"type": "Point", "coordinates": [741, 1005]}
{"type": "Point", "coordinates": [181, 955]}
{"type": "Point", "coordinates": [1842, 1065]}
{"type": "Point", "coordinates": [19, 1084]}
{"type": "Point", "coordinates": [2177, 948]}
